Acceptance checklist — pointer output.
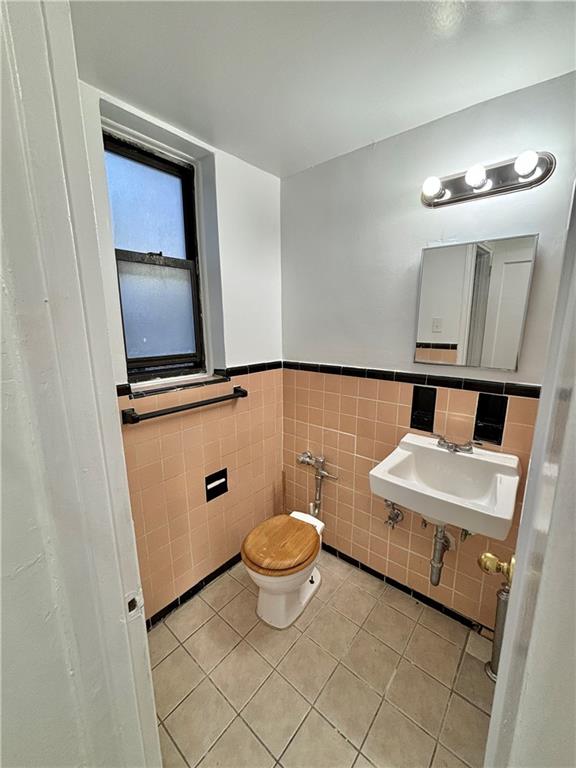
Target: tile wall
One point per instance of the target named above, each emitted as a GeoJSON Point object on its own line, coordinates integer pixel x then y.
{"type": "Point", "coordinates": [356, 422]}
{"type": "Point", "coordinates": [180, 538]}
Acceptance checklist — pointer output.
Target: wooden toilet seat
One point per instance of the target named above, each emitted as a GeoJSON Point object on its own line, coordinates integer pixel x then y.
{"type": "Point", "coordinates": [280, 546]}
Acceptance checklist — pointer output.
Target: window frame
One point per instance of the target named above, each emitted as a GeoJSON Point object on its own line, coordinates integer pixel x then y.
{"type": "Point", "coordinates": [161, 366]}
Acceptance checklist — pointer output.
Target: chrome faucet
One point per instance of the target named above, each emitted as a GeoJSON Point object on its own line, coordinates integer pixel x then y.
{"type": "Point", "coordinates": [319, 464]}
{"type": "Point", "coordinates": [466, 447]}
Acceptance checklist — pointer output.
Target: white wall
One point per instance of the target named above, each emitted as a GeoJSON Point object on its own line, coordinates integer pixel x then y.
{"type": "Point", "coordinates": [249, 234]}
{"type": "Point", "coordinates": [241, 258]}
{"type": "Point", "coordinates": [353, 230]}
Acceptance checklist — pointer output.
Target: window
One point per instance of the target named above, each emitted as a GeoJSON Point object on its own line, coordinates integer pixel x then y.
{"type": "Point", "coordinates": [152, 205]}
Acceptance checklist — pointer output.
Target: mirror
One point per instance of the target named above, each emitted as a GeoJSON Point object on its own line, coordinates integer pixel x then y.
{"type": "Point", "coordinates": [472, 303]}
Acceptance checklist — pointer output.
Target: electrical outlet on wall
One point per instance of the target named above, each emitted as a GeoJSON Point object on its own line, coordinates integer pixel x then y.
{"type": "Point", "coordinates": [436, 325]}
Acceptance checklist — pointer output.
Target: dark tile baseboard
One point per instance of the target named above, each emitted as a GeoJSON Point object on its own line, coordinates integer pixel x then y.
{"type": "Point", "coordinates": [189, 594]}
{"type": "Point", "coordinates": [403, 588]}
{"type": "Point", "coordinates": [424, 599]}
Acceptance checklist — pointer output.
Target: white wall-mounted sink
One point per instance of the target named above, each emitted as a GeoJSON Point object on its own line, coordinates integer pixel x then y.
{"type": "Point", "coordinates": [475, 491]}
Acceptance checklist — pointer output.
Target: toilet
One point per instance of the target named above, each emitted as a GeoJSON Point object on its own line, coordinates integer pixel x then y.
{"type": "Point", "coordinates": [280, 556]}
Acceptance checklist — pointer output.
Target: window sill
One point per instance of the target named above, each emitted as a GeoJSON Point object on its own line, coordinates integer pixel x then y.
{"type": "Point", "coordinates": [152, 386]}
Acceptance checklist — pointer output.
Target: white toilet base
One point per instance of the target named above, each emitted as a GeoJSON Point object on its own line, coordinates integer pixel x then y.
{"type": "Point", "coordinates": [280, 609]}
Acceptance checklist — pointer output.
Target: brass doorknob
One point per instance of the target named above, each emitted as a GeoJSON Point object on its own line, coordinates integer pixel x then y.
{"type": "Point", "coordinates": [489, 563]}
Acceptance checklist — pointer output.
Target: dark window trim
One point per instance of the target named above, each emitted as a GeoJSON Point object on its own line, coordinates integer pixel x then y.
{"type": "Point", "coordinates": [143, 368]}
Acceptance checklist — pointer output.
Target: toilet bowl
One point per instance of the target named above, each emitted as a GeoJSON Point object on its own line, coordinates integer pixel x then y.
{"type": "Point", "coordinates": [280, 556]}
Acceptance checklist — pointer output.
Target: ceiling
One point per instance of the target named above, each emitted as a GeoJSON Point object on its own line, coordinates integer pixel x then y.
{"type": "Point", "coordinates": [288, 85]}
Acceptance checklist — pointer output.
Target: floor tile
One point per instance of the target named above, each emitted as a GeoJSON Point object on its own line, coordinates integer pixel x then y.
{"type": "Point", "coordinates": [353, 602]}
{"type": "Point", "coordinates": [161, 642]}
{"type": "Point", "coordinates": [349, 704]}
{"type": "Point", "coordinates": [171, 758]}
{"type": "Point", "coordinates": [308, 614]}
{"type": "Point", "coordinates": [240, 612]}
{"type": "Point", "coordinates": [362, 762]}
{"type": "Point", "coordinates": [189, 617]}
{"type": "Point", "coordinates": [371, 660]}
{"type": "Point", "coordinates": [419, 696]}
{"type": "Point", "coordinates": [328, 585]}
{"type": "Point", "coordinates": [433, 654]}
{"type": "Point", "coordinates": [199, 720]}
{"type": "Point", "coordinates": [402, 602]}
{"type": "Point", "coordinates": [465, 731]}
{"type": "Point", "coordinates": [332, 631]}
{"type": "Point", "coordinates": [272, 643]}
{"type": "Point", "coordinates": [390, 626]}
{"type": "Point", "coordinates": [240, 674]}
{"type": "Point", "coordinates": [443, 625]}
{"type": "Point", "coordinates": [318, 745]}
{"type": "Point", "coordinates": [445, 759]}
{"type": "Point", "coordinates": [479, 647]}
{"type": "Point", "coordinates": [237, 748]}
{"type": "Point", "coordinates": [394, 741]}
{"type": "Point", "coordinates": [368, 583]}
{"type": "Point", "coordinates": [173, 679]}
{"type": "Point", "coordinates": [339, 567]}
{"type": "Point", "coordinates": [221, 591]}
{"type": "Point", "coordinates": [275, 713]}
{"type": "Point", "coordinates": [241, 575]}
{"type": "Point", "coordinates": [212, 642]}
{"type": "Point", "coordinates": [307, 667]}
{"type": "Point", "coordinates": [474, 684]}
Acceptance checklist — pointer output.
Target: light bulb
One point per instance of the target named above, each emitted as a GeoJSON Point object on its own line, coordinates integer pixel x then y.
{"type": "Point", "coordinates": [476, 176]}
{"type": "Point", "coordinates": [432, 188]}
{"type": "Point", "coordinates": [526, 163]}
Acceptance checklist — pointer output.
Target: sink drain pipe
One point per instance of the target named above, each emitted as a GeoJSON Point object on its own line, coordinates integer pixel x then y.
{"type": "Point", "coordinates": [441, 544]}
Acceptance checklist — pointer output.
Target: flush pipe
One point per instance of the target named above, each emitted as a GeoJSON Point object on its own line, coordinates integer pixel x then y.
{"type": "Point", "coordinates": [441, 545]}
{"type": "Point", "coordinates": [320, 473]}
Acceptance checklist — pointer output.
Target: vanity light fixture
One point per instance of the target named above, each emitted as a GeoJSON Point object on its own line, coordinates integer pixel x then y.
{"type": "Point", "coordinates": [476, 176]}
{"type": "Point", "coordinates": [528, 169]}
{"type": "Point", "coordinates": [526, 163]}
{"type": "Point", "coordinates": [432, 188]}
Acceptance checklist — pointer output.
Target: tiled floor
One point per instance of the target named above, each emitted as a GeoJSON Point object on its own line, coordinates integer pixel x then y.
{"type": "Point", "coordinates": [366, 677]}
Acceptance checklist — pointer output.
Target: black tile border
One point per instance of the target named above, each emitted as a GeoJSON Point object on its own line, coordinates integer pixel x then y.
{"type": "Point", "coordinates": [432, 345]}
{"type": "Point", "coordinates": [190, 593]}
{"type": "Point", "coordinates": [521, 390]}
{"type": "Point", "coordinates": [424, 599]}
{"type": "Point", "coordinates": [423, 379]}
{"type": "Point", "coordinates": [244, 370]}
{"type": "Point", "coordinates": [408, 377]}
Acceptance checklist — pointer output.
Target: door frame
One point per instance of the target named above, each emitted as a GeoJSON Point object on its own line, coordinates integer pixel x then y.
{"type": "Point", "coordinates": [543, 577]}
{"type": "Point", "coordinates": [57, 294]}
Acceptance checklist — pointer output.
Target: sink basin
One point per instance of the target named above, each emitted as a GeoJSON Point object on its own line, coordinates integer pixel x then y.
{"type": "Point", "coordinates": [475, 491]}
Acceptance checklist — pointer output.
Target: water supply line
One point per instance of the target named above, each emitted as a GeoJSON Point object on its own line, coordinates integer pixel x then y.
{"type": "Point", "coordinates": [319, 464]}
